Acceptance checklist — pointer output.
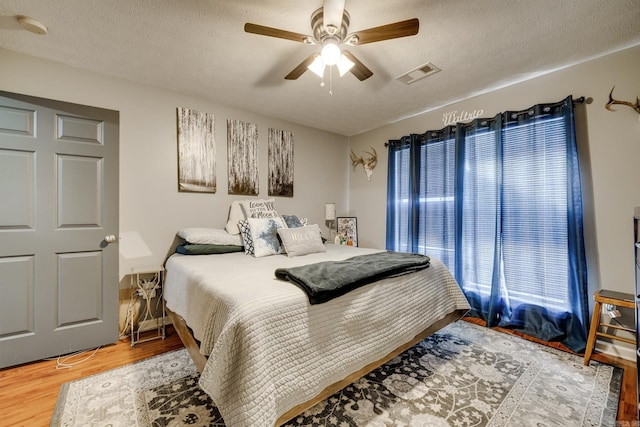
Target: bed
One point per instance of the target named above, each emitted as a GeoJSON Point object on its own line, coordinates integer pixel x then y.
{"type": "Point", "coordinates": [266, 354]}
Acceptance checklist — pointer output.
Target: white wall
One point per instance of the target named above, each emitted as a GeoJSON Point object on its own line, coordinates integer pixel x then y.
{"type": "Point", "coordinates": [609, 145]}
{"type": "Point", "coordinates": [150, 203]}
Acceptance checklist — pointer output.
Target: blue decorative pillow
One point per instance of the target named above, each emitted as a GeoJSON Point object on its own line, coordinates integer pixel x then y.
{"type": "Point", "coordinates": [292, 221]}
{"type": "Point", "coordinates": [265, 236]}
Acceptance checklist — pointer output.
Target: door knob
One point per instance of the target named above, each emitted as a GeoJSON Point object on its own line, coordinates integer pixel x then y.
{"type": "Point", "coordinates": [110, 238]}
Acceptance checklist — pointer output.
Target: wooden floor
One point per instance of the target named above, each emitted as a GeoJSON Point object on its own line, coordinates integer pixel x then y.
{"type": "Point", "coordinates": [28, 393]}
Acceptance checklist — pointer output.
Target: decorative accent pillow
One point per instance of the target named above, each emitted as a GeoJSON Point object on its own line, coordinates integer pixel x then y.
{"type": "Point", "coordinates": [237, 212]}
{"type": "Point", "coordinates": [265, 236]}
{"type": "Point", "coordinates": [209, 236]}
{"type": "Point", "coordinates": [188, 249]}
{"type": "Point", "coordinates": [260, 208]}
{"type": "Point", "coordinates": [292, 221]}
{"type": "Point", "coordinates": [245, 232]}
{"type": "Point", "coordinates": [302, 240]}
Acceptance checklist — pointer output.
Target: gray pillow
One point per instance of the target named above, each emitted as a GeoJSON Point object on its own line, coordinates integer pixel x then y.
{"type": "Point", "coordinates": [301, 240]}
{"type": "Point", "coordinates": [188, 249]}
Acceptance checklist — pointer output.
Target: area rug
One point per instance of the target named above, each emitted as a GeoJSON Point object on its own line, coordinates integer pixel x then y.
{"type": "Point", "coordinates": [464, 375]}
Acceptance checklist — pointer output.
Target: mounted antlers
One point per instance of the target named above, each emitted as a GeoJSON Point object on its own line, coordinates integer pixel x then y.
{"type": "Point", "coordinates": [367, 164]}
{"type": "Point", "coordinates": [612, 101]}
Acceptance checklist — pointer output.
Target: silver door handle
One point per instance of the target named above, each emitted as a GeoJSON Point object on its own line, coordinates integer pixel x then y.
{"type": "Point", "coordinates": [110, 238]}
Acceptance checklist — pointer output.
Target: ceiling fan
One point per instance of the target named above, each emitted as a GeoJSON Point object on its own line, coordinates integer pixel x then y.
{"type": "Point", "coordinates": [330, 24]}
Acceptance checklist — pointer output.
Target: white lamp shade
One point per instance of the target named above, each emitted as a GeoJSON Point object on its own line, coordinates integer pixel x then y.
{"type": "Point", "coordinates": [132, 245]}
{"type": "Point", "coordinates": [329, 211]}
{"type": "Point", "coordinates": [330, 53]}
{"type": "Point", "coordinates": [344, 65]}
{"type": "Point", "coordinates": [317, 66]}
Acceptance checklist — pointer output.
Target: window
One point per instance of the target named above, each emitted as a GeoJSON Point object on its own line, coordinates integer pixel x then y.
{"type": "Point", "coordinates": [498, 201]}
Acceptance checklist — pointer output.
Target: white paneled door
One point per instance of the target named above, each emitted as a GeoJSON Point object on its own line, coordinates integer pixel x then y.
{"type": "Point", "coordinates": [58, 222]}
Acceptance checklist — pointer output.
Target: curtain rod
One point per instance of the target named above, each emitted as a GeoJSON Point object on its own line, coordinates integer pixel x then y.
{"type": "Point", "coordinates": [580, 100]}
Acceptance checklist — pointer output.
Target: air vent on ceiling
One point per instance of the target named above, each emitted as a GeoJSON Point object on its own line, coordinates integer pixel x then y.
{"type": "Point", "coordinates": [418, 73]}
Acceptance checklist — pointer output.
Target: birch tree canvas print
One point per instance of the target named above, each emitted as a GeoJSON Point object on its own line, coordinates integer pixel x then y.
{"type": "Point", "coordinates": [280, 154]}
{"type": "Point", "coordinates": [196, 152]}
{"type": "Point", "coordinates": [242, 155]}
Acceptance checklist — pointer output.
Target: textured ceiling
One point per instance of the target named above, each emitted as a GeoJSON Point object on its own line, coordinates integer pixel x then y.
{"type": "Point", "coordinates": [198, 47]}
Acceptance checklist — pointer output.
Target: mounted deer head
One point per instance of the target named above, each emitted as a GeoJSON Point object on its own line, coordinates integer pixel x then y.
{"type": "Point", "coordinates": [612, 101]}
{"type": "Point", "coordinates": [367, 164]}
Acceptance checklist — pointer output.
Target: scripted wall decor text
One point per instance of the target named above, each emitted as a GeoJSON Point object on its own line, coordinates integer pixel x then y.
{"type": "Point", "coordinates": [452, 117]}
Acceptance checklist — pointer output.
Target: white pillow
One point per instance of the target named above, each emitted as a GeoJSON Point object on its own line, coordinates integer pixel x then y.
{"type": "Point", "coordinates": [265, 236]}
{"type": "Point", "coordinates": [261, 208]}
{"type": "Point", "coordinates": [302, 240]}
{"type": "Point", "coordinates": [237, 212]}
{"type": "Point", "coordinates": [209, 236]}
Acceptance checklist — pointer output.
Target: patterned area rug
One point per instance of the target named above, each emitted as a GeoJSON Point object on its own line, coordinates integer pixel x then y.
{"type": "Point", "coordinates": [464, 375]}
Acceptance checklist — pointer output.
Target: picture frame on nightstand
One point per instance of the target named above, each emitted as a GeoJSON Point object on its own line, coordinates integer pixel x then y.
{"type": "Point", "coordinates": [347, 229]}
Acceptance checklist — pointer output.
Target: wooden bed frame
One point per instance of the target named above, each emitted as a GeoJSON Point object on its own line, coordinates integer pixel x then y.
{"type": "Point", "coordinates": [193, 347]}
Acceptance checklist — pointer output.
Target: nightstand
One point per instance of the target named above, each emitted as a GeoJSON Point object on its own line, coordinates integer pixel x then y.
{"type": "Point", "coordinates": [147, 287]}
{"type": "Point", "coordinates": [614, 298]}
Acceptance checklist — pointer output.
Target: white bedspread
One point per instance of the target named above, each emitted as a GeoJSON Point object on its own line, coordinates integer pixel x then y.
{"type": "Point", "coordinates": [270, 350]}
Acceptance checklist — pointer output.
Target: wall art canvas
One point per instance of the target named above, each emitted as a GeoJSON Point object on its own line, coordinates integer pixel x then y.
{"type": "Point", "coordinates": [280, 153]}
{"type": "Point", "coordinates": [348, 230]}
{"type": "Point", "coordinates": [196, 151]}
{"type": "Point", "coordinates": [242, 155]}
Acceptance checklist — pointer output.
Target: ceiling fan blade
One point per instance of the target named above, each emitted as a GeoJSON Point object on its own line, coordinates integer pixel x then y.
{"type": "Point", "coordinates": [359, 69]}
{"type": "Point", "coordinates": [332, 11]}
{"type": "Point", "coordinates": [274, 32]}
{"type": "Point", "coordinates": [390, 31]}
{"type": "Point", "coordinates": [301, 68]}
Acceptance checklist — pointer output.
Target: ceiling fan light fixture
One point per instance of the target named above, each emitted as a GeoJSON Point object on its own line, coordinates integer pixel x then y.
{"type": "Point", "coordinates": [344, 65]}
{"type": "Point", "coordinates": [317, 66]}
{"type": "Point", "coordinates": [330, 25]}
{"type": "Point", "coordinates": [330, 52]}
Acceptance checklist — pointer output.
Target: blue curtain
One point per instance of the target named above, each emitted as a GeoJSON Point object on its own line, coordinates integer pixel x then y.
{"type": "Point", "coordinates": [420, 204]}
{"type": "Point", "coordinates": [478, 214]}
{"type": "Point", "coordinates": [499, 201]}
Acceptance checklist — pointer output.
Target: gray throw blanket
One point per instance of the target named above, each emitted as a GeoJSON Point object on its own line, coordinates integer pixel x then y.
{"type": "Point", "coordinates": [324, 281]}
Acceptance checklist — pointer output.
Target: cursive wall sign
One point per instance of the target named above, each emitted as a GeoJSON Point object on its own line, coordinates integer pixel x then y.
{"type": "Point", "coordinates": [452, 117]}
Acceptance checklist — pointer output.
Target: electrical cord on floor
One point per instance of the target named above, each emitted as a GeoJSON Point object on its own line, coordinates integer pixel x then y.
{"type": "Point", "coordinates": [62, 361]}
